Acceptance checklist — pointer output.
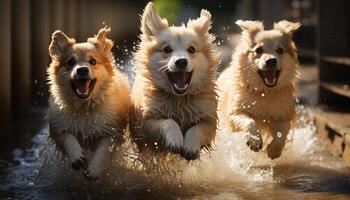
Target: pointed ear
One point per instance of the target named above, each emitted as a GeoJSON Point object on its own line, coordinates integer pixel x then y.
{"type": "Point", "coordinates": [58, 43]}
{"type": "Point", "coordinates": [287, 27]}
{"type": "Point", "coordinates": [151, 23]}
{"type": "Point", "coordinates": [101, 41]}
{"type": "Point", "coordinates": [250, 27]}
{"type": "Point", "coordinates": [202, 24]}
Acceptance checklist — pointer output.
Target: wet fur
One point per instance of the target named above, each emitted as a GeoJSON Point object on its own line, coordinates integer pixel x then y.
{"type": "Point", "coordinates": [83, 126]}
{"type": "Point", "coordinates": [160, 118]}
{"type": "Point", "coordinates": [245, 103]}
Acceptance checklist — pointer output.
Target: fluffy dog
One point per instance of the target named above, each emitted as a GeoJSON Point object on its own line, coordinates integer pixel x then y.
{"type": "Point", "coordinates": [89, 100]}
{"type": "Point", "coordinates": [256, 93]}
{"type": "Point", "coordinates": [173, 96]}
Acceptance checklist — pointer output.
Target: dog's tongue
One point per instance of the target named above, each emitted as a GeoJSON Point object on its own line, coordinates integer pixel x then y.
{"type": "Point", "coordinates": [83, 86]}
{"type": "Point", "coordinates": [179, 79]}
{"type": "Point", "coordinates": [270, 76]}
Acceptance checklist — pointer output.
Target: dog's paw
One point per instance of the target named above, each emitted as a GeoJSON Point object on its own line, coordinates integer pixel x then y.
{"type": "Point", "coordinates": [79, 163]}
{"type": "Point", "coordinates": [190, 154]}
{"type": "Point", "coordinates": [274, 150]}
{"type": "Point", "coordinates": [254, 143]}
{"type": "Point", "coordinates": [90, 175]}
{"type": "Point", "coordinates": [192, 146]}
{"type": "Point", "coordinates": [94, 170]}
{"type": "Point", "coordinates": [173, 137]}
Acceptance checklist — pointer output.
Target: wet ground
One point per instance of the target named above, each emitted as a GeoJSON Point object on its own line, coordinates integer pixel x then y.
{"type": "Point", "coordinates": [306, 170]}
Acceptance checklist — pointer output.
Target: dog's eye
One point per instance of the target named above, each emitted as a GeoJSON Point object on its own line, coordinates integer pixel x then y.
{"type": "Point", "coordinates": [259, 50]}
{"type": "Point", "coordinates": [92, 61]}
{"type": "Point", "coordinates": [71, 62]}
{"type": "Point", "coordinates": [167, 50]}
{"type": "Point", "coordinates": [280, 51]}
{"type": "Point", "coordinates": [191, 50]}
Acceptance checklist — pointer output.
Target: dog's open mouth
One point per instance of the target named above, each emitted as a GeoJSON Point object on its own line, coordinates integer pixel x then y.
{"type": "Point", "coordinates": [269, 76]}
{"type": "Point", "coordinates": [83, 87]}
{"type": "Point", "coordinates": [180, 81]}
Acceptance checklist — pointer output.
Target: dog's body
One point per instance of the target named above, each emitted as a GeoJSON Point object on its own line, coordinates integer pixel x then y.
{"type": "Point", "coordinates": [256, 93]}
{"type": "Point", "coordinates": [174, 98]}
{"type": "Point", "coordinates": [89, 100]}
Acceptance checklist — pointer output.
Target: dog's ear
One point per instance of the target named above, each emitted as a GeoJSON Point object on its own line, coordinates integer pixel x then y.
{"type": "Point", "coordinates": [287, 27]}
{"type": "Point", "coordinates": [58, 43]}
{"type": "Point", "coordinates": [101, 41]}
{"type": "Point", "coordinates": [151, 22]}
{"type": "Point", "coordinates": [251, 27]}
{"type": "Point", "coordinates": [202, 24]}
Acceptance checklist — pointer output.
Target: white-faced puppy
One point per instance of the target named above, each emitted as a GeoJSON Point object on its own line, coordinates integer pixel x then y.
{"type": "Point", "coordinates": [256, 93]}
{"type": "Point", "coordinates": [173, 96]}
{"type": "Point", "coordinates": [89, 100]}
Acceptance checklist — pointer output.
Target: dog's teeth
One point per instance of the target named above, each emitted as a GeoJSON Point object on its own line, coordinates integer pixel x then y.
{"type": "Point", "coordinates": [82, 93]}
{"type": "Point", "coordinates": [267, 81]}
{"type": "Point", "coordinates": [180, 88]}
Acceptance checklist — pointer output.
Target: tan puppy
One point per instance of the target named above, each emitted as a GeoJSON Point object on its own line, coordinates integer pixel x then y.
{"type": "Point", "coordinates": [256, 93]}
{"type": "Point", "coordinates": [174, 90]}
{"type": "Point", "coordinates": [89, 100]}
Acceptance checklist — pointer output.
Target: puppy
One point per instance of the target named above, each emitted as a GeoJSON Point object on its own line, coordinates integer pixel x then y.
{"type": "Point", "coordinates": [173, 96]}
{"type": "Point", "coordinates": [257, 93]}
{"type": "Point", "coordinates": [89, 100]}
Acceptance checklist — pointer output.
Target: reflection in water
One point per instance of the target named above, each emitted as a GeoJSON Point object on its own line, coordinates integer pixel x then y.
{"type": "Point", "coordinates": [231, 171]}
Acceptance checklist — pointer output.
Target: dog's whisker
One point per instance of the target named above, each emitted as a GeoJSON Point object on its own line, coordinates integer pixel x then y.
{"type": "Point", "coordinates": [163, 61]}
{"type": "Point", "coordinates": [163, 68]}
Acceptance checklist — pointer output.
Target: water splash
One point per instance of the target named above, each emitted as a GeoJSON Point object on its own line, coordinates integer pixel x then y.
{"type": "Point", "coordinates": [231, 168]}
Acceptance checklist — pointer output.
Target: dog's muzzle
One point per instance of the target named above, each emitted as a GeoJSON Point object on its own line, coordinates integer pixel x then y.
{"type": "Point", "coordinates": [270, 72]}
{"type": "Point", "coordinates": [82, 83]}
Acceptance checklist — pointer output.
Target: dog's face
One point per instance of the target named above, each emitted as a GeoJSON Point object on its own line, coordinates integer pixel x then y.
{"type": "Point", "coordinates": [272, 59]}
{"type": "Point", "coordinates": [81, 69]}
{"type": "Point", "coordinates": [176, 56]}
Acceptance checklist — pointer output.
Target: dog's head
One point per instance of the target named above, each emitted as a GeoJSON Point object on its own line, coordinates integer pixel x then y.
{"type": "Point", "coordinates": [80, 69]}
{"type": "Point", "coordinates": [177, 59]}
{"type": "Point", "coordinates": [271, 54]}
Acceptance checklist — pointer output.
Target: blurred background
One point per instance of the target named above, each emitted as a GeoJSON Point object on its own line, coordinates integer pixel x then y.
{"type": "Point", "coordinates": [323, 42]}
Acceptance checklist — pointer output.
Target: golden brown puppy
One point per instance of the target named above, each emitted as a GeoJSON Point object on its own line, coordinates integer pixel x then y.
{"type": "Point", "coordinates": [89, 100]}
{"type": "Point", "coordinates": [174, 98]}
{"type": "Point", "coordinates": [256, 93]}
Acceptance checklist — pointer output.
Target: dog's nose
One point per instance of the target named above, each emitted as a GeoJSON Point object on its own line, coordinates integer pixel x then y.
{"type": "Point", "coordinates": [181, 63]}
{"type": "Point", "coordinates": [83, 71]}
{"type": "Point", "coordinates": [272, 62]}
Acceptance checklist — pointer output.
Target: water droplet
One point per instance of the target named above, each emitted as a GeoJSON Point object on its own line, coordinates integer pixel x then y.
{"type": "Point", "coordinates": [279, 134]}
{"type": "Point", "coordinates": [111, 148]}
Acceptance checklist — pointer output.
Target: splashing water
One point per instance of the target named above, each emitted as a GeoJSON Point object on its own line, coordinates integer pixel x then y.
{"type": "Point", "coordinates": [231, 170]}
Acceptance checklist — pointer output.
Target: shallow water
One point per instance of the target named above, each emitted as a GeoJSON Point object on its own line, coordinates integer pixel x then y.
{"type": "Point", "coordinates": [306, 170]}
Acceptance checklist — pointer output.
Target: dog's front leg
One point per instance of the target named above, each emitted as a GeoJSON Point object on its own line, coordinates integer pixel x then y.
{"type": "Point", "coordinates": [166, 129]}
{"type": "Point", "coordinates": [247, 124]}
{"type": "Point", "coordinates": [99, 159]}
{"type": "Point", "coordinates": [72, 149]}
{"type": "Point", "coordinates": [279, 131]}
{"type": "Point", "coordinates": [197, 136]}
